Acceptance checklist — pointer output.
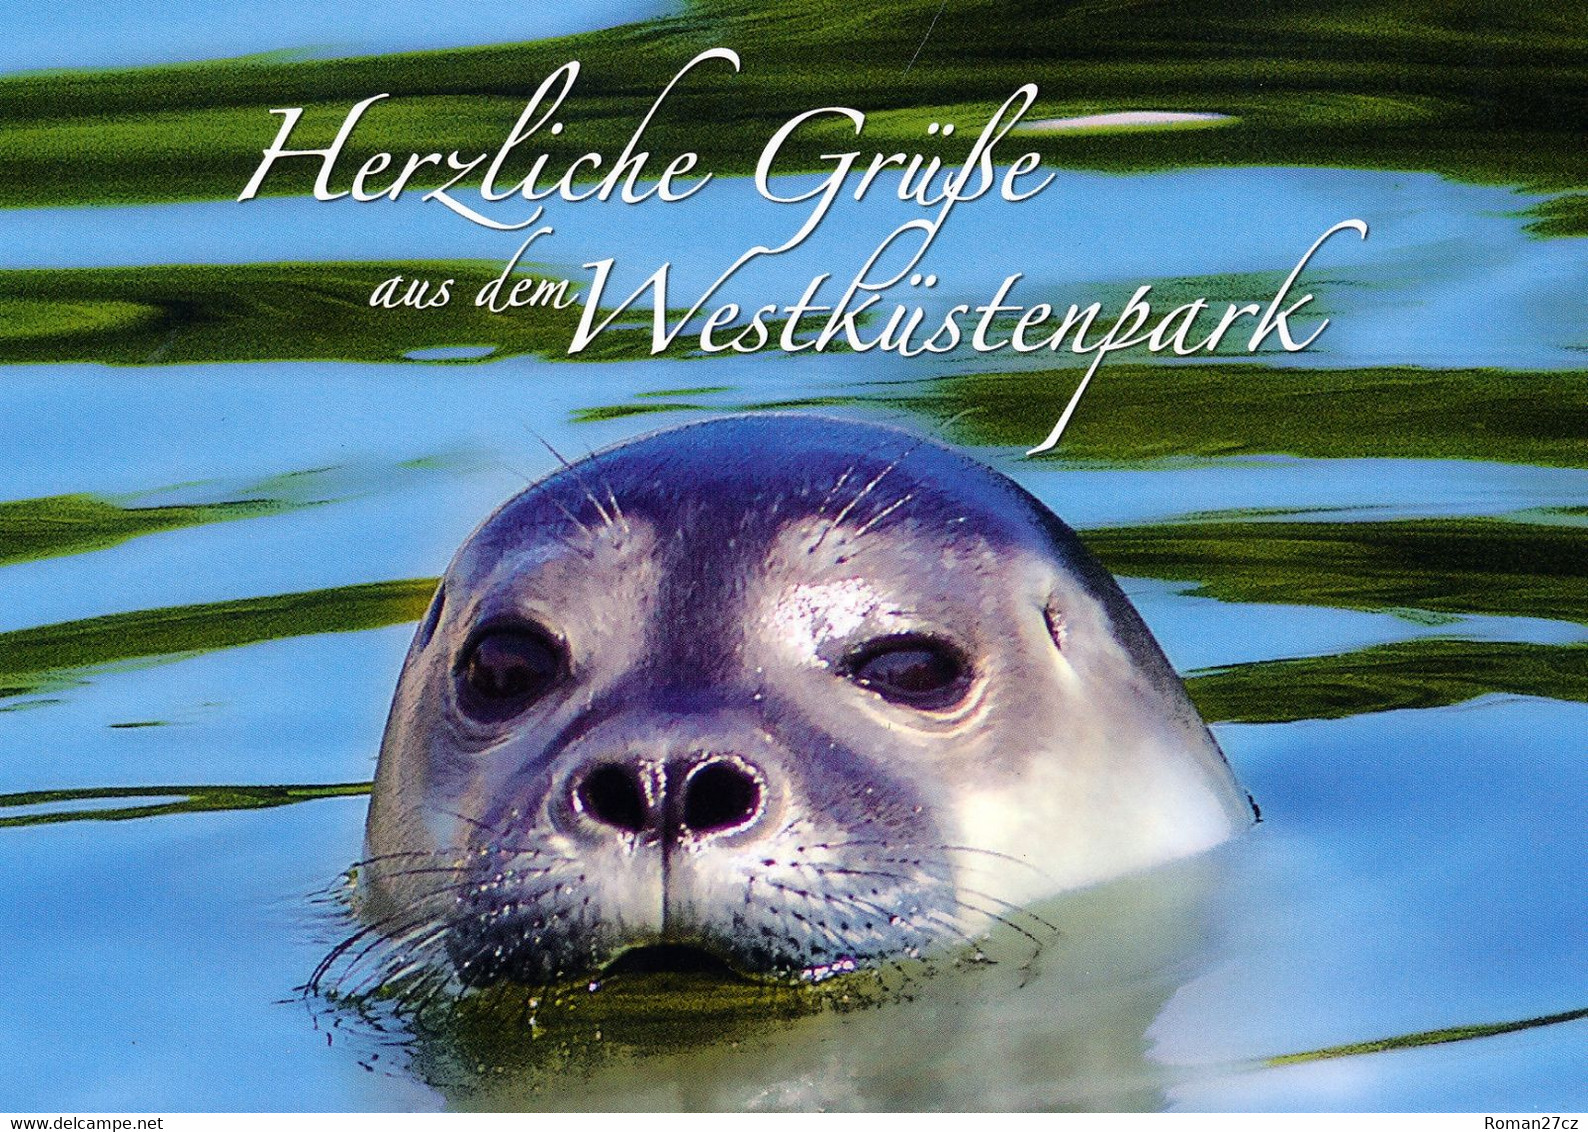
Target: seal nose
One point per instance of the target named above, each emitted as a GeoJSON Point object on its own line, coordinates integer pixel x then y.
{"type": "Point", "coordinates": [613, 795]}
{"type": "Point", "coordinates": [697, 797]}
{"type": "Point", "coordinates": [719, 796]}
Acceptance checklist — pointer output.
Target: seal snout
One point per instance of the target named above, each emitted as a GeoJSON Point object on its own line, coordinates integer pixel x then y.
{"type": "Point", "coordinates": [692, 798]}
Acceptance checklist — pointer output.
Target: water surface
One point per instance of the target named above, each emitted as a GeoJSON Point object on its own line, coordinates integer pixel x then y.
{"type": "Point", "coordinates": [1415, 870]}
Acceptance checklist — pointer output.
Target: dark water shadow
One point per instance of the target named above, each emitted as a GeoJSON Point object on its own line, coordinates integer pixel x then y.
{"type": "Point", "coordinates": [1006, 1024]}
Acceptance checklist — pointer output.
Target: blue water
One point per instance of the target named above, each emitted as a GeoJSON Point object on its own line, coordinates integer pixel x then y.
{"type": "Point", "coordinates": [1421, 907]}
{"type": "Point", "coordinates": [1447, 276]}
{"type": "Point", "coordinates": [1414, 870]}
{"type": "Point", "coordinates": [86, 34]}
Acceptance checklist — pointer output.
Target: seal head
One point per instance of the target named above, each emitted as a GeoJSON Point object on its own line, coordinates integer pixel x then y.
{"type": "Point", "coordinates": [799, 694]}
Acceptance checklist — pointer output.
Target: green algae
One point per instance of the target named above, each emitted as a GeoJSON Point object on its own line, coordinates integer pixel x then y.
{"type": "Point", "coordinates": [1425, 1038]}
{"type": "Point", "coordinates": [165, 800]}
{"type": "Point", "coordinates": [529, 1032]}
{"type": "Point", "coordinates": [1461, 565]}
{"type": "Point", "coordinates": [1135, 414]}
{"type": "Point", "coordinates": [1483, 93]}
{"type": "Point", "coordinates": [46, 656]}
{"type": "Point", "coordinates": [168, 314]}
{"type": "Point", "coordinates": [619, 412]}
{"type": "Point", "coordinates": [59, 525]}
{"type": "Point", "coordinates": [1424, 673]}
{"type": "Point", "coordinates": [1565, 215]}
{"type": "Point", "coordinates": [1145, 413]}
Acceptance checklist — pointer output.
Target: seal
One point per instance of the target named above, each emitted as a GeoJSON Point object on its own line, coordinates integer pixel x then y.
{"type": "Point", "coordinates": [787, 694]}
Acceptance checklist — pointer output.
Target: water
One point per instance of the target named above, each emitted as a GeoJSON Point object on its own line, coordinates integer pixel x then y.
{"type": "Point", "coordinates": [1419, 907]}
{"type": "Point", "coordinates": [1447, 276]}
{"type": "Point", "coordinates": [1415, 870]}
{"type": "Point", "coordinates": [132, 35]}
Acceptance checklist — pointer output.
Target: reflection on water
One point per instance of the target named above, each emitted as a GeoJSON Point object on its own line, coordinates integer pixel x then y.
{"type": "Point", "coordinates": [141, 33]}
{"type": "Point", "coordinates": [1050, 1011]}
{"type": "Point", "coordinates": [1448, 276]}
{"type": "Point", "coordinates": [1415, 869]}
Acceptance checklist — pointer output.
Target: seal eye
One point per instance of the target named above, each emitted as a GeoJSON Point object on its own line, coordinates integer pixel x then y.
{"type": "Point", "coordinates": [917, 672]}
{"type": "Point", "coordinates": [506, 669]}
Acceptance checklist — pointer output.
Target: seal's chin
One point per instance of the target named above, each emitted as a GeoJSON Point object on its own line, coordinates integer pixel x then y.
{"type": "Point", "coordinates": [529, 957]}
{"type": "Point", "coordinates": [672, 958]}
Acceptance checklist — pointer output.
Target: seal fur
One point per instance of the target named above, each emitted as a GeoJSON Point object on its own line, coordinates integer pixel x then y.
{"type": "Point", "coordinates": [799, 694]}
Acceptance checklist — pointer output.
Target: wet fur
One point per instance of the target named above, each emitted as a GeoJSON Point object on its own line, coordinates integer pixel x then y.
{"type": "Point", "coordinates": [864, 868]}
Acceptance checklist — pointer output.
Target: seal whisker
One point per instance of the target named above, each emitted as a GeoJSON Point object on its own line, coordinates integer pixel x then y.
{"type": "Point", "coordinates": [884, 513]}
{"type": "Point", "coordinates": [572, 518]}
{"type": "Point", "coordinates": [425, 987]}
{"type": "Point", "coordinates": [875, 874]}
{"type": "Point", "coordinates": [992, 854]}
{"type": "Point", "coordinates": [860, 903]}
{"type": "Point", "coordinates": [386, 930]}
{"type": "Point", "coordinates": [959, 932]}
{"type": "Point", "coordinates": [517, 472]}
{"type": "Point", "coordinates": [461, 867]}
{"type": "Point", "coordinates": [573, 470]}
{"type": "Point", "coordinates": [932, 848]}
{"type": "Point", "coordinates": [843, 942]}
{"type": "Point", "coordinates": [469, 819]}
{"type": "Point", "coordinates": [612, 500]}
{"type": "Point", "coordinates": [411, 958]}
{"type": "Point", "coordinates": [399, 952]}
{"type": "Point", "coordinates": [1012, 907]}
{"type": "Point", "coordinates": [832, 492]}
{"type": "Point", "coordinates": [969, 934]}
{"type": "Point", "coordinates": [426, 870]}
{"type": "Point", "coordinates": [838, 519]}
{"type": "Point", "coordinates": [455, 869]}
{"type": "Point", "coordinates": [379, 857]}
{"type": "Point", "coordinates": [504, 846]}
{"type": "Point", "coordinates": [422, 935]}
{"type": "Point", "coordinates": [720, 739]}
{"type": "Point", "coordinates": [790, 830]}
{"type": "Point", "coordinates": [1008, 909]}
{"type": "Point", "coordinates": [1003, 919]}
{"type": "Point", "coordinates": [325, 964]}
{"type": "Point", "coordinates": [925, 926]}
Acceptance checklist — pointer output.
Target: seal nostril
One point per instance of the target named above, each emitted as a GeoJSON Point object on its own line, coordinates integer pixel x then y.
{"type": "Point", "coordinates": [612, 795]}
{"type": "Point", "coordinates": [720, 796]}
